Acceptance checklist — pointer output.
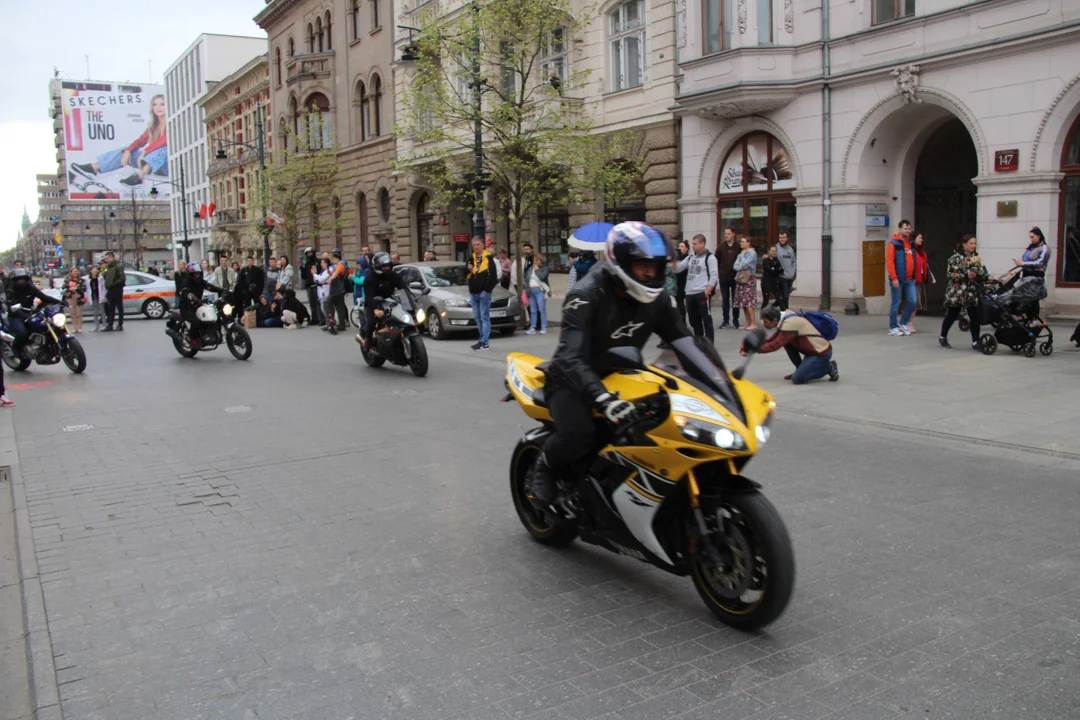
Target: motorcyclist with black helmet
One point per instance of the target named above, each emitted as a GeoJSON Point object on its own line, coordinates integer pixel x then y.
{"type": "Point", "coordinates": [622, 306]}
{"type": "Point", "coordinates": [380, 281]}
{"type": "Point", "coordinates": [22, 291]}
{"type": "Point", "coordinates": [191, 293]}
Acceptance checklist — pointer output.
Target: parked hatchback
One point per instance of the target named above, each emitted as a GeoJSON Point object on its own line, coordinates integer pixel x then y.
{"type": "Point", "coordinates": [447, 305]}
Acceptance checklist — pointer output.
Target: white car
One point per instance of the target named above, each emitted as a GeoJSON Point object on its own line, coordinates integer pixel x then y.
{"type": "Point", "coordinates": [147, 294]}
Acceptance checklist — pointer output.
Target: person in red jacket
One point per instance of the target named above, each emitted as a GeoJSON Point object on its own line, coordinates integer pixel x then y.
{"type": "Point", "coordinates": [900, 261]}
{"type": "Point", "coordinates": [147, 154]}
{"type": "Point", "coordinates": [923, 276]}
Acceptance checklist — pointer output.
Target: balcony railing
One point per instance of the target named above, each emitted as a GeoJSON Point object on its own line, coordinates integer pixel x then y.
{"type": "Point", "coordinates": [224, 218]}
{"type": "Point", "coordinates": [308, 67]}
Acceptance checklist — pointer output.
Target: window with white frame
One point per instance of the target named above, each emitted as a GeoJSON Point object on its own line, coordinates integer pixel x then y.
{"type": "Point", "coordinates": [553, 55]}
{"type": "Point", "coordinates": [626, 31]}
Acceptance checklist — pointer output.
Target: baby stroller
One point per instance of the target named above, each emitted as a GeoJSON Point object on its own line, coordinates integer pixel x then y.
{"type": "Point", "coordinates": [1010, 304]}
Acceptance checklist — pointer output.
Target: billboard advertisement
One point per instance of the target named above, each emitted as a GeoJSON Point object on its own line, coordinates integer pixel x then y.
{"type": "Point", "coordinates": [115, 139]}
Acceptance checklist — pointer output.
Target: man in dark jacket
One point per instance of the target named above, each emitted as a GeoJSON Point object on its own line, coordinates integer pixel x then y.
{"type": "Point", "coordinates": [21, 290]}
{"type": "Point", "coordinates": [482, 279]}
{"type": "Point", "coordinates": [114, 292]}
{"type": "Point", "coordinates": [334, 307]}
{"type": "Point", "coordinates": [308, 270]}
{"type": "Point", "coordinates": [726, 252]}
{"type": "Point", "coordinates": [249, 284]}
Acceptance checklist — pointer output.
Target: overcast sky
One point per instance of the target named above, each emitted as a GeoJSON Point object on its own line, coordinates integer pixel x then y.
{"type": "Point", "coordinates": [124, 40]}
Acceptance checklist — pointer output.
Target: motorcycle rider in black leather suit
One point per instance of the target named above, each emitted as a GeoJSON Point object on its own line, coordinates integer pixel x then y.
{"type": "Point", "coordinates": [380, 281]}
{"type": "Point", "coordinates": [22, 291]}
{"type": "Point", "coordinates": [191, 292]}
{"type": "Point", "coordinates": [621, 306]}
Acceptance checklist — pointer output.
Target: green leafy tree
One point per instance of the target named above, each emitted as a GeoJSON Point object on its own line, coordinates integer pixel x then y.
{"type": "Point", "coordinates": [507, 64]}
{"type": "Point", "coordinates": [301, 177]}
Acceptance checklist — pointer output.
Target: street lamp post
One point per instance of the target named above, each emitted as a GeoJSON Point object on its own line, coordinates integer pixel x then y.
{"type": "Point", "coordinates": [260, 149]}
{"type": "Point", "coordinates": [186, 242]}
{"type": "Point", "coordinates": [479, 228]}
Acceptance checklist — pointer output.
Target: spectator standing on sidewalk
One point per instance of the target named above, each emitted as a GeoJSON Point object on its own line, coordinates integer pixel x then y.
{"type": "Point", "coordinates": [76, 297]}
{"type": "Point", "coordinates": [772, 278]}
{"type": "Point", "coordinates": [726, 253]}
{"type": "Point", "coordinates": [683, 250]}
{"type": "Point", "coordinates": [785, 253]}
{"type": "Point", "coordinates": [536, 277]}
{"type": "Point", "coordinates": [114, 293]}
{"type": "Point", "coordinates": [224, 276]}
{"type": "Point", "coordinates": [746, 281]}
{"type": "Point", "coordinates": [966, 275]}
{"type": "Point", "coordinates": [810, 353]}
{"type": "Point", "coordinates": [701, 277]}
{"type": "Point", "coordinates": [571, 276]}
{"type": "Point", "coordinates": [482, 278]}
{"type": "Point", "coordinates": [922, 277]}
{"type": "Point", "coordinates": [334, 306]}
{"type": "Point", "coordinates": [900, 262]}
{"type": "Point", "coordinates": [270, 279]}
{"type": "Point", "coordinates": [308, 271]}
{"type": "Point", "coordinates": [250, 284]}
{"type": "Point", "coordinates": [507, 270]}
{"type": "Point", "coordinates": [286, 276]}
{"type": "Point", "coordinates": [95, 295]}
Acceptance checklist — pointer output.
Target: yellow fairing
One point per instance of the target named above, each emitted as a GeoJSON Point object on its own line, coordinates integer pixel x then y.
{"type": "Point", "coordinates": [673, 455]}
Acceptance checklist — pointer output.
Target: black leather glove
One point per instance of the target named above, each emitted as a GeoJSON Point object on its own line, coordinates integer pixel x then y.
{"type": "Point", "coordinates": [615, 411]}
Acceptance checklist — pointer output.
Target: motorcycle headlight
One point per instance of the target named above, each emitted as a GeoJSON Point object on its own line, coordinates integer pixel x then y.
{"type": "Point", "coordinates": [421, 316]}
{"type": "Point", "coordinates": [59, 320]}
{"type": "Point", "coordinates": [456, 302]}
{"type": "Point", "coordinates": [706, 433]}
{"type": "Point", "coordinates": [227, 309]}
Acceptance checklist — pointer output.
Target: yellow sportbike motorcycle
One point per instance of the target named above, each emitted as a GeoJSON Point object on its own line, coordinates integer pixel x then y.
{"type": "Point", "coordinates": [666, 487]}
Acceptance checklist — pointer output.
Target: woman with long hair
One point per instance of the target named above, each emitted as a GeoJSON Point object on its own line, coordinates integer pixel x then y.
{"type": "Point", "coordinates": [746, 282]}
{"type": "Point", "coordinates": [75, 292]}
{"type": "Point", "coordinates": [1036, 257]}
{"type": "Point", "coordinates": [148, 154]}
{"type": "Point", "coordinates": [923, 275]}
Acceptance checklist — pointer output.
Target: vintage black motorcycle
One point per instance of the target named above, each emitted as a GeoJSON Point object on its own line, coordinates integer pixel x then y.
{"type": "Point", "coordinates": [48, 340]}
{"type": "Point", "coordinates": [396, 336]}
{"type": "Point", "coordinates": [218, 322]}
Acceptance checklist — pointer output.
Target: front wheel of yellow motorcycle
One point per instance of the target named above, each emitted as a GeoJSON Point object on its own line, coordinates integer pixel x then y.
{"type": "Point", "coordinates": [536, 522]}
{"type": "Point", "coordinates": [748, 579]}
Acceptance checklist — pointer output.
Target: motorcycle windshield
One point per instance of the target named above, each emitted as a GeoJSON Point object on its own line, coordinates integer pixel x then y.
{"type": "Point", "coordinates": [696, 361]}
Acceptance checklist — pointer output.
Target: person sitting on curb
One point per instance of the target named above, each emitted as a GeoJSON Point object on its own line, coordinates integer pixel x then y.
{"type": "Point", "coordinates": [809, 352]}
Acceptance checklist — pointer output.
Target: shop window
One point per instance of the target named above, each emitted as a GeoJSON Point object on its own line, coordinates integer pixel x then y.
{"type": "Point", "coordinates": [888, 10]}
{"type": "Point", "coordinates": [628, 205]}
{"type": "Point", "coordinates": [1068, 250]}
{"type": "Point", "coordinates": [553, 235]}
{"type": "Point", "coordinates": [755, 187]}
{"type": "Point", "coordinates": [626, 38]}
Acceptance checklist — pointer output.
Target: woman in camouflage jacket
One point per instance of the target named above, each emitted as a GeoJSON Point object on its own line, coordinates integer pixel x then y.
{"type": "Point", "coordinates": [967, 276]}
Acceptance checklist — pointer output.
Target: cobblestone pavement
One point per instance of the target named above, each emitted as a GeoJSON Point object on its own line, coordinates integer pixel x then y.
{"type": "Point", "coordinates": [303, 537]}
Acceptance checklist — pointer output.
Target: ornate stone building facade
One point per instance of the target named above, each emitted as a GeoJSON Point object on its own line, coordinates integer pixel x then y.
{"type": "Point", "coordinates": [960, 116]}
{"type": "Point", "coordinates": [333, 57]}
{"type": "Point", "coordinates": [232, 109]}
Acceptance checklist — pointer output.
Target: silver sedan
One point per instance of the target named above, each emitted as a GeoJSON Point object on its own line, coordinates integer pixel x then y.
{"type": "Point", "coordinates": [447, 305]}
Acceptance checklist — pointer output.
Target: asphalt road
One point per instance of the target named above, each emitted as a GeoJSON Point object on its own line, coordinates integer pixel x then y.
{"type": "Point", "coordinates": [300, 536]}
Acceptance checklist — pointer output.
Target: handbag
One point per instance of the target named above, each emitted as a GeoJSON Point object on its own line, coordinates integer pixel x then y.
{"type": "Point", "coordinates": [524, 298]}
{"type": "Point", "coordinates": [744, 277]}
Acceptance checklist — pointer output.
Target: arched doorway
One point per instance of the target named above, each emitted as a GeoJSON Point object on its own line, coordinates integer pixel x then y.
{"type": "Point", "coordinates": [424, 218]}
{"type": "Point", "coordinates": [1068, 249]}
{"type": "Point", "coordinates": [755, 186]}
{"type": "Point", "coordinates": [945, 199]}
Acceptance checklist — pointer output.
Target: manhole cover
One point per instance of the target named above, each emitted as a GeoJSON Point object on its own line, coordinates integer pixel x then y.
{"type": "Point", "coordinates": [238, 408]}
{"type": "Point", "coordinates": [78, 428]}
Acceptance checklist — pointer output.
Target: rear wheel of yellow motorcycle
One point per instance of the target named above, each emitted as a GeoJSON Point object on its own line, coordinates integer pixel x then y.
{"type": "Point", "coordinates": [753, 583]}
{"type": "Point", "coordinates": [539, 526]}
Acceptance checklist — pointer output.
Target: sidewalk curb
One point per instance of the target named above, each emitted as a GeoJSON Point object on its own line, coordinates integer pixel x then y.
{"type": "Point", "coordinates": [44, 694]}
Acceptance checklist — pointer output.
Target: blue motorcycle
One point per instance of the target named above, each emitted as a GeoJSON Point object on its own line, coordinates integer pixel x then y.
{"type": "Point", "coordinates": [47, 343]}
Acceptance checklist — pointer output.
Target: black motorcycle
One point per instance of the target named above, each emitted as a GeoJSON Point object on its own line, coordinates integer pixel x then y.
{"type": "Point", "coordinates": [48, 340]}
{"type": "Point", "coordinates": [218, 321]}
{"type": "Point", "coordinates": [396, 336]}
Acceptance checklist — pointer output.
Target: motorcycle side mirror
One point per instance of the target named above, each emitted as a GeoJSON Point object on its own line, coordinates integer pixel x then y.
{"type": "Point", "coordinates": [753, 341]}
{"type": "Point", "coordinates": [625, 358]}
